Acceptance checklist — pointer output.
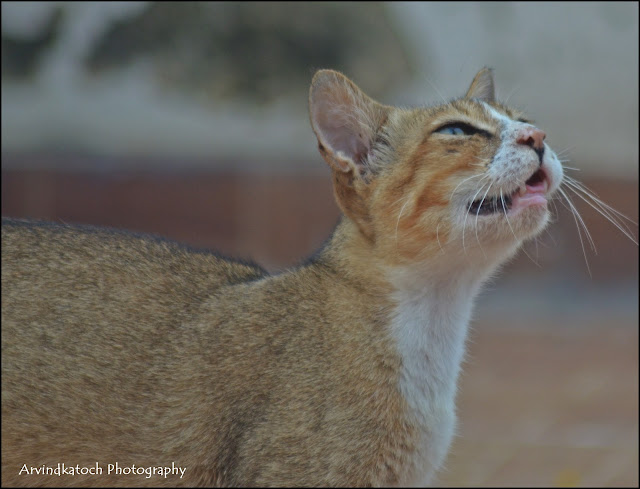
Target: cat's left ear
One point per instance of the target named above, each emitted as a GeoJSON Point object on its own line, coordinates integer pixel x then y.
{"type": "Point", "coordinates": [345, 121]}
{"type": "Point", "coordinates": [482, 86]}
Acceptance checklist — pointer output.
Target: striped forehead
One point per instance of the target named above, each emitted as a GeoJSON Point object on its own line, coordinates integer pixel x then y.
{"type": "Point", "coordinates": [500, 117]}
{"type": "Point", "coordinates": [487, 116]}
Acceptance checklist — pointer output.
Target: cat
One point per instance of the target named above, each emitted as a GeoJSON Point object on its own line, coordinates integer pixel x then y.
{"type": "Point", "coordinates": [132, 350]}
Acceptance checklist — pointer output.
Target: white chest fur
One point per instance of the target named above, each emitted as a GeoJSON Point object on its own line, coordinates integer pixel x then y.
{"type": "Point", "coordinates": [430, 326]}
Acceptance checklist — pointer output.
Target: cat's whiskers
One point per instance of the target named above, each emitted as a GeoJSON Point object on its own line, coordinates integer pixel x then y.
{"type": "Point", "coordinates": [588, 196]}
{"type": "Point", "coordinates": [555, 207]}
{"type": "Point", "coordinates": [438, 236]}
{"type": "Point", "coordinates": [565, 151]}
{"type": "Point", "coordinates": [513, 91]}
{"type": "Point", "coordinates": [555, 213]}
{"type": "Point", "coordinates": [504, 208]}
{"type": "Point", "coordinates": [468, 178]}
{"type": "Point", "coordinates": [464, 224]}
{"type": "Point", "coordinates": [398, 221]}
{"type": "Point", "coordinates": [602, 208]}
{"type": "Point", "coordinates": [584, 224]}
{"type": "Point", "coordinates": [575, 213]}
{"type": "Point", "coordinates": [542, 241]}
{"type": "Point", "coordinates": [482, 162]}
{"type": "Point", "coordinates": [477, 214]}
{"type": "Point", "coordinates": [435, 88]}
{"type": "Point", "coordinates": [401, 198]}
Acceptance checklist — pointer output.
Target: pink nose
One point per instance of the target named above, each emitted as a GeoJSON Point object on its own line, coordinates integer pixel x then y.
{"type": "Point", "coordinates": [531, 136]}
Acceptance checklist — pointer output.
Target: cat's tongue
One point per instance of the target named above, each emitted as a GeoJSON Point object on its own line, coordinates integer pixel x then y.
{"type": "Point", "coordinates": [534, 192]}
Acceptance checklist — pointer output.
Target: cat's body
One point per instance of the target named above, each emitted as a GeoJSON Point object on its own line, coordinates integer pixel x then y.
{"type": "Point", "coordinates": [340, 372]}
{"type": "Point", "coordinates": [181, 380]}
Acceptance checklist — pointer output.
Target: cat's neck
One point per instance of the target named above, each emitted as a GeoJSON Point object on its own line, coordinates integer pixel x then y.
{"type": "Point", "coordinates": [437, 278]}
{"type": "Point", "coordinates": [429, 303]}
{"type": "Point", "coordinates": [429, 324]}
{"type": "Point", "coordinates": [429, 307]}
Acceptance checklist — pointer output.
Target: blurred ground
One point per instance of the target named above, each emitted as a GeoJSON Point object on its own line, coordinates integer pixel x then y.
{"type": "Point", "coordinates": [548, 405]}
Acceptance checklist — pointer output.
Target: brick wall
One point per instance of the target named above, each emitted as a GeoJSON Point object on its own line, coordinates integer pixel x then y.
{"type": "Point", "coordinates": [277, 220]}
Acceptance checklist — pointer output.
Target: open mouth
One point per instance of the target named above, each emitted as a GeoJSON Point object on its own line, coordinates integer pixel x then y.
{"type": "Point", "coordinates": [531, 193]}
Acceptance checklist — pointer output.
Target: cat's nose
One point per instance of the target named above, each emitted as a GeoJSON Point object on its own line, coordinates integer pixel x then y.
{"type": "Point", "coordinates": [534, 138]}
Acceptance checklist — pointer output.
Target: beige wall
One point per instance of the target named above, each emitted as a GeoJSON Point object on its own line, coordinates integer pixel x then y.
{"type": "Point", "coordinates": [572, 66]}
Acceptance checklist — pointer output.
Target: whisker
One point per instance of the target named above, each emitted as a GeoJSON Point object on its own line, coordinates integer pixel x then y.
{"type": "Point", "coordinates": [468, 178]}
{"type": "Point", "coordinates": [482, 162]}
{"type": "Point", "coordinates": [574, 209]}
{"type": "Point", "coordinates": [513, 90]}
{"type": "Point", "coordinates": [603, 208]}
{"type": "Point", "coordinates": [435, 88]}
{"type": "Point", "coordinates": [602, 211]}
{"type": "Point", "coordinates": [555, 216]}
{"type": "Point", "coordinates": [565, 151]}
{"type": "Point", "coordinates": [398, 221]}
{"type": "Point", "coordinates": [477, 214]}
{"type": "Point", "coordinates": [504, 208]}
{"type": "Point", "coordinates": [563, 204]}
{"type": "Point", "coordinates": [401, 198]}
{"type": "Point", "coordinates": [438, 236]}
{"type": "Point", "coordinates": [590, 193]}
{"type": "Point", "coordinates": [584, 253]}
{"type": "Point", "coordinates": [555, 207]}
{"type": "Point", "coordinates": [550, 237]}
{"type": "Point", "coordinates": [464, 224]}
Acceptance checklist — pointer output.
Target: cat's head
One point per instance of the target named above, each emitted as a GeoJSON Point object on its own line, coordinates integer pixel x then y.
{"type": "Point", "coordinates": [469, 177]}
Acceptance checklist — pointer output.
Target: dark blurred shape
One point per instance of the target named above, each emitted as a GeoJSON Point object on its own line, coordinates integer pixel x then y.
{"type": "Point", "coordinates": [20, 57]}
{"type": "Point", "coordinates": [256, 50]}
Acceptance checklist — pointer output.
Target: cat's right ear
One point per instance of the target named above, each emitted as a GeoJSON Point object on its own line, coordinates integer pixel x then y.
{"type": "Point", "coordinates": [345, 121]}
{"type": "Point", "coordinates": [482, 86]}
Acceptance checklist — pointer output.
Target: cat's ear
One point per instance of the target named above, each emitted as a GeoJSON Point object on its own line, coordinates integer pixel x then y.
{"type": "Point", "coordinates": [482, 86]}
{"type": "Point", "coordinates": [345, 121]}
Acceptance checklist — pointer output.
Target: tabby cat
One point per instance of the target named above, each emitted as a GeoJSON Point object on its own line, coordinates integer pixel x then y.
{"type": "Point", "coordinates": [136, 351]}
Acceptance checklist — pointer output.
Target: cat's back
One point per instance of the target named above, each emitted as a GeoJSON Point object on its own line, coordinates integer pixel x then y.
{"type": "Point", "coordinates": [88, 280]}
{"type": "Point", "coordinates": [71, 286]}
{"type": "Point", "coordinates": [82, 280]}
{"type": "Point", "coordinates": [102, 260]}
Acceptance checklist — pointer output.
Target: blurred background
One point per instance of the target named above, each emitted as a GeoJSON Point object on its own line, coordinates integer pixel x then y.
{"type": "Point", "coordinates": [190, 120]}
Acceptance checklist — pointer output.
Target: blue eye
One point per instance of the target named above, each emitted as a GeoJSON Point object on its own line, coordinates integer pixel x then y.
{"type": "Point", "coordinates": [461, 129]}
{"type": "Point", "coordinates": [453, 130]}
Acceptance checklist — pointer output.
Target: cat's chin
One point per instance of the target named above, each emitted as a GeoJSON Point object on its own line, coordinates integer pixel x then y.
{"type": "Point", "coordinates": [528, 219]}
{"type": "Point", "coordinates": [517, 225]}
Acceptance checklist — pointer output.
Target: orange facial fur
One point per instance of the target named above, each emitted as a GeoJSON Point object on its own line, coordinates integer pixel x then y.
{"type": "Point", "coordinates": [403, 200]}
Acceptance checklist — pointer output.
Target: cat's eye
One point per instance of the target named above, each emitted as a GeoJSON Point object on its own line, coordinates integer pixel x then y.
{"type": "Point", "coordinates": [454, 130]}
{"type": "Point", "coordinates": [460, 129]}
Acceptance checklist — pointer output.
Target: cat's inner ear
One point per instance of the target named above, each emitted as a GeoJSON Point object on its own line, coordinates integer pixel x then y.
{"type": "Point", "coordinates": [345, 121]}
{"type": "Point", "coordinates": [482, 86]}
